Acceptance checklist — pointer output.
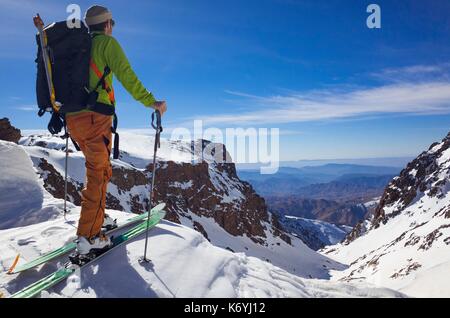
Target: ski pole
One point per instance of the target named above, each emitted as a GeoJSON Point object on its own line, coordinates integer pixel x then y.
{"type": "Point", "coordinates": [66, 135]}
{"type": "Point", "coordinates": [65, 173]}
{"type": "Point", "coordinates": [158, 128]}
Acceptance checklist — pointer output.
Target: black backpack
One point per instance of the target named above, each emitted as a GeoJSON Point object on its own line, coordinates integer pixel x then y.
{"type": "Point", "coordinates": [69, 50]}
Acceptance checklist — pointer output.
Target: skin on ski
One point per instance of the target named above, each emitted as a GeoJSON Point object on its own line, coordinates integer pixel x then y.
{"type": "Point", "coordinates": [71, 246]}
{"type": "Point", "coordinates": [63, 273]}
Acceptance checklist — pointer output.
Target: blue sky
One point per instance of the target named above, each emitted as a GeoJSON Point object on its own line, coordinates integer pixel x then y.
{"type": "Point", "coordinates": [335, 88]}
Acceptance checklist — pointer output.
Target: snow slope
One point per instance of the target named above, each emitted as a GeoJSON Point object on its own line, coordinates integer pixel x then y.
{"type": "Point", "coordinates": [316, 234]}
{"type": "Point", "coordinates": [185, 264]}
{"type": "Point", "coordinates": [21, 194]}
{"type": "Point", "coordinates": [406, 245]}
{"type": "Point", "coordinates": [136, 151]}
{"type": "Point", "coordinates": [296, 258]}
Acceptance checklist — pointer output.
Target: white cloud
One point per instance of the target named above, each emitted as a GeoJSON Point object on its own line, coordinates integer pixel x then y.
{"type": "Point", "coordinates": [27, 108]}
{"type": "Point", "coordinates": [415, 73]}
{"type": "Point", "coordinates": [399, 98]}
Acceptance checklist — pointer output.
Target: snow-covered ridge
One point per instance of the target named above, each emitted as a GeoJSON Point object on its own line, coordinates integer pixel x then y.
{"type": "Point", "coordinates": [204, 195]}
{"type": "Point", "coordinates": [184, 262]}
{"type": "Point", "coordinates": [316, 234]}
{"type": "Point", "coordinates": [407, 242]}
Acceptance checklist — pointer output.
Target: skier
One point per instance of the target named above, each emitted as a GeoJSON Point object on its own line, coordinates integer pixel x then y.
{"type": "Point", "coordinates": [92, 130]}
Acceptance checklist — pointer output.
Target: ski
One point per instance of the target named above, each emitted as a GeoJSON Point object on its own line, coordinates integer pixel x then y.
{"type": "Point", "coordinates": [68, 269]}
{"type": "Point", "coordinates": [69, 247]}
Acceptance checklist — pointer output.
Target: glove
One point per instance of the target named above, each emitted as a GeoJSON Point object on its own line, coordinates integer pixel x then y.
{"type": "Point", "coordinates": [55, 124]}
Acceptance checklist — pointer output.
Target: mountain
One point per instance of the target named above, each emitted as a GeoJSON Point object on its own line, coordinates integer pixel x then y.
{"type": "Point", "coordinates": [347, 187]}
{"type": "Point", "coordinates": [398, 162]}
{"type": "Point", "coordinates": [201, 194]}
{"type": "Point", "coordinates": [287, 173]}
{"type": "Point", "coordinates": [320, 173]}
{"type": "Point", "coordinates": [337, 170]}
{"type": "Point", "coordinates": [339, 201]}
{"type": "Point", "coordinates": [8, 132]}
{"type": "Point", "coordinates": [316, 234]}
{"type": "Point", "coordinates": [332, 181]}
{"type": "Point", "coordinates": [184, 262]}
{"type": "Point", "coordinates": [340, 213]}
{"type": "Point", "coordinates": [405, 244]}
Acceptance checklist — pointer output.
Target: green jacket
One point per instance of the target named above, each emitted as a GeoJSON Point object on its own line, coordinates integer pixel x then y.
{"type": "Point", "coordinates": [107, 51]}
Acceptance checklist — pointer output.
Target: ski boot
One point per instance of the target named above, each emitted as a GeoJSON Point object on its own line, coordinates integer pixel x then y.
{"type": "Point", "coordinates": [109, 223]}
{"type": "Point", "coordinates": [88, 249]}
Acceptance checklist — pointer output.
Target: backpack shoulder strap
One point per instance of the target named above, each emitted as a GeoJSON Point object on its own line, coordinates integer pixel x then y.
{"type": "Point", "coordinates": [101, 80]}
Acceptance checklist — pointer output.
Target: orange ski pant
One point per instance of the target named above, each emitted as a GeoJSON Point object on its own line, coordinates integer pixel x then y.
{"type": "Point", "coordinates": [92, 132]}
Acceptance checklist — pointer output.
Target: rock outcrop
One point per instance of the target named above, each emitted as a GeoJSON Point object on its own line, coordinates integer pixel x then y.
{"type": "Point", "coordinates": [194, 191]}
{"type": "Point", "coordinates": [9, 132]}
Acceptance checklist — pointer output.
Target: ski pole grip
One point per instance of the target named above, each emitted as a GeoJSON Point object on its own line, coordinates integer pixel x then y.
{"type": "Point", "coordinates": [158, 121]}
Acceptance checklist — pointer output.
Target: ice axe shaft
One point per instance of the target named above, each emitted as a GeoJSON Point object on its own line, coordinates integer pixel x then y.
{"type": "Point", "coordinates": [39, 24]}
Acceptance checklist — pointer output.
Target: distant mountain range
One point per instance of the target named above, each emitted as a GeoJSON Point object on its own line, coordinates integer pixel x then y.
{"type": "Point", "coordinates": [399, 162]}
{"type": "Point", "coordinates": [334, 193]}
{"type": "Point", "coordinates": [289, 181]}
{"type": "Point", "coordinates": [339, 213]}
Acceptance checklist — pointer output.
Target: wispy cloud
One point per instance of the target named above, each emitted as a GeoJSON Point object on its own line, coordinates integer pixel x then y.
{"type": "Point", "coordinates": [398, 98]}
{"type": "Point", "coordinates": [27, 108]}
{"type": "Point", "coordinates": [415, 73]}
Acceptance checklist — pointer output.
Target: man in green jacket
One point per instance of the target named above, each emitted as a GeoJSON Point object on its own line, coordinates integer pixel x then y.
{"type": "Point", "coordinates": [92, 130]}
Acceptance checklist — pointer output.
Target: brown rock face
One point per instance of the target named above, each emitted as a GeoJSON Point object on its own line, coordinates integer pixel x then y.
{"type": "Point", "coordinates": [8, 132]}
{"type": "Point", "coordinates": [278, 229]}
{"type": "Point", "coordinates": [420, 175]}
{"type": "Point", "coordinates": [126, 179]}
{"type": "Point", "coordinates": [205, 189]}
{"type": "Point", "coordinates": [54, 183]}
{"type": "Point", "coordinates": [186, 187]}
{"type": "Point", "coordinates": [199, 228]}
{"type": "Point", "coordinates": [356, 232]}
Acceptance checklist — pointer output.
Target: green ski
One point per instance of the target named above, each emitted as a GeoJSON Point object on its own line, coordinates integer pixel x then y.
{"type": "Point", "coordinates": [69, 247]}
{"type": "Point", "coordinates": [53, 279]}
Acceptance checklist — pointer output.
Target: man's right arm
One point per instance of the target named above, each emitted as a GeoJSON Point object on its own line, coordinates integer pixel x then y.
{"type": "Point", "coordinates": [120, 66]}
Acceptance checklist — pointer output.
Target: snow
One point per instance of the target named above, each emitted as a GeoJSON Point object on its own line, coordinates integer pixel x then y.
{"type": "Point", "coordinates": [444, 158]}
{"type": "Point", "coordinates": [76, 163]}
{"type": "Point", "coordinates": [139, 150]}
{"type": "Point", "coordinates": [326, 232]}
{"type": "Point", "coordinates": [434, 281]}
{"type": "Point", "coordinates": [296, 258]}
{"type": "Point", "coordinates": [227, 187]}
{"type": "Point", "coordinates": [21, 193]}
{"type": "Point", "coordinates": [404, 254]}
{"type": "Point", "coordinates": [182, 185]}
{"type": "Point", "coordinates": [372, 203]}
{"type": "Point", "coordinates": [184, 264]}
{"type": "Point", "coordinates": [413, 173]}
{"type": "Point", "coordinates": [435, 148]}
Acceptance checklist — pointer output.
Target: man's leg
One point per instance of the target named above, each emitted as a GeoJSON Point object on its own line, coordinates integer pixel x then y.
{"type": "Point", "coordinates": [93, 132]}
